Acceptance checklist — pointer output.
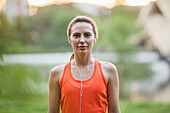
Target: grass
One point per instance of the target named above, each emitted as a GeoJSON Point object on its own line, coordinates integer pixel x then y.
{"type": "Point", "coordinates": [41, 106]}
{"type": "Point", "coordinates": [24, 106]}
{"type": "Point", "coordinates": [144, 107]}
{"type": "Point", "coordinates": [21, 90]}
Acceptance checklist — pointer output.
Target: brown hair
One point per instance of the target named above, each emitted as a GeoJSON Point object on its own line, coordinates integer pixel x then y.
{"type": "Point", "coordinates": [82, 19]}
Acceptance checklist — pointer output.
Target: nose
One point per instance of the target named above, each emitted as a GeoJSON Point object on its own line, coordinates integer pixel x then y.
{"type": "Point", "coordinates": [82, 40]}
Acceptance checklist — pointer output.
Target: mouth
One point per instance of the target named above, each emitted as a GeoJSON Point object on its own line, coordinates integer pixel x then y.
{"type": "Point", "coordinates": [82, 47]}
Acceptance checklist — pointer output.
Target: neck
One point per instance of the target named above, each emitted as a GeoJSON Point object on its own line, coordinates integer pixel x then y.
{"type": "Point", "coordinates": [83, 60]}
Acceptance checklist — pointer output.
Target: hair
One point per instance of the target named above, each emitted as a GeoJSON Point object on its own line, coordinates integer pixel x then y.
{"type": "Point", "coordinates": [85, 19]}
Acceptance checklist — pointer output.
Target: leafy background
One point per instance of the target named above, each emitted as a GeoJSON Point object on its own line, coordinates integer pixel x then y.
{"type": "Point", "coordinates": [23, 88]}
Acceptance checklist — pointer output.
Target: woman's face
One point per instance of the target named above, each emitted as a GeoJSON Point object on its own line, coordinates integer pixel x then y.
{"type": "Point", "coordinates": [82, 37]}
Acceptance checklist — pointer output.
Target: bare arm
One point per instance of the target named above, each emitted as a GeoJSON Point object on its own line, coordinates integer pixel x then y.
{"type": "Point", "coordinates": [54, 90]}
{"type": "Point", "coordinates": [113, 88]}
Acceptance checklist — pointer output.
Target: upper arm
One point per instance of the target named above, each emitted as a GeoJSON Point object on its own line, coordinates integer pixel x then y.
{"type": "Point", "coordinates": [54, 89]}
{"type": "Point", "coordinates": [112, 88]}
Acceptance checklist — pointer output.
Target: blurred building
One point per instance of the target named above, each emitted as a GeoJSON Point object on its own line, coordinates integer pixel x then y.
{"type": "Point", "coordinates": [155, 18]}
{"type": "Point", "coordinates": [89, 6]}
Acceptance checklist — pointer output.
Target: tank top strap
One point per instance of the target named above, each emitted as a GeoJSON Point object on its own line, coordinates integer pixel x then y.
{"type": "Point", "coordinates": [65, 74]}
{"type": "Point", "coordinates": [99, 68]}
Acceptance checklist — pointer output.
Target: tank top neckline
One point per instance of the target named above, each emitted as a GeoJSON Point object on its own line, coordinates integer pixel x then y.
{"type": "Point", "coordinates": [83, 80]}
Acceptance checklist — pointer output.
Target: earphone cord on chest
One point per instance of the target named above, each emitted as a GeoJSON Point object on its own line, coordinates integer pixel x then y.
{"type": "Point", "coordinates": [82, 78]}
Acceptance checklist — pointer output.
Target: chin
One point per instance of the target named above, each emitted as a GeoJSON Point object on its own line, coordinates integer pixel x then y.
{"type": "Point", "coordinates": [83, 51]}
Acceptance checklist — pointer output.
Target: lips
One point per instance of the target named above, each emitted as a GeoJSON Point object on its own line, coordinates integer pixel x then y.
{"type": "Point", "coordinates": [82, 47]}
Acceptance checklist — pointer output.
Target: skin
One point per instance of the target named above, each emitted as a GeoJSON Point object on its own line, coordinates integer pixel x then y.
{"type": "Point", "coordinates": [82, 39]}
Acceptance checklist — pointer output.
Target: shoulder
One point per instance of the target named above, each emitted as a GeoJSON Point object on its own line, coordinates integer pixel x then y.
{"type": "Point", "coordinates": [108, 66]}
{"type": "Point", "coordinates": [56, 73]}
{"type": "Point", "coordinates": [110, 71]}
{"type": "Point", "coordinates": [57, 70]}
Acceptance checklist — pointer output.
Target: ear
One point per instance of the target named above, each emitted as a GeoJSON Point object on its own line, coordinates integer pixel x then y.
{"type": "Point", "coordinates": [95, 40]}
{"type": "Point", "coordinates": [69, 40]}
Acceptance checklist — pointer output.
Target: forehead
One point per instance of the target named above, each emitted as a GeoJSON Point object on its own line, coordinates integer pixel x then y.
{"type": "Point", "coordinates": [82, 27]}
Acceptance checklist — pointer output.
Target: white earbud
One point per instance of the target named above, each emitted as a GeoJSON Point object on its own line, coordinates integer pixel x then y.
{"type": "Point", "coordinates": [94, 40]}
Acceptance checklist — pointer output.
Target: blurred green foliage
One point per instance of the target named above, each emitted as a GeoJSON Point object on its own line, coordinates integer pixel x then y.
{"type": "Point", "coordinates": [144, 107]}
{"type": "Point", "coordinates": [115, 30]}
{"type": "Point", "coordinates": [21, 92]}
{"type": "Point", "coordinates": [23, 88]}
{"type": "Point", "coordinates": [131, 71]}
{"type": "Point", "coordinates": [41, 106]}
{"type": "Point", "coordinates": [46, 32]}
{"type": "Point", "coordinates": [19, 82]}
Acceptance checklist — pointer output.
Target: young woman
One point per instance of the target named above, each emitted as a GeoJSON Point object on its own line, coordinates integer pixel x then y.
{"type": "Point", "coordinates": [85, 84]}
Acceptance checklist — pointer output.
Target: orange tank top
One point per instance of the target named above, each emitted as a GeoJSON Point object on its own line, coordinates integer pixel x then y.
{"type": "Point", "coordinates": [94, 99]}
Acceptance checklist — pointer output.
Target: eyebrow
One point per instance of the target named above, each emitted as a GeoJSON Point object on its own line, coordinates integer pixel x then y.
{"type": "Point", "coordinates": [80, 33]}
{"type": "Point", "coordinates": [88, 32]}
{"type": "Point", "coordinates": [76, 33]}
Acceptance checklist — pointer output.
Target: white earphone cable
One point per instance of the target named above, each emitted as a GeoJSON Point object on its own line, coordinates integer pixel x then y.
{"type": "Point", "coordinates": [82, 78]}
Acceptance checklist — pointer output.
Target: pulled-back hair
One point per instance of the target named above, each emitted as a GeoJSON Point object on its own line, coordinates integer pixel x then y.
{"type": "Point", "coordinates": [82, 19]}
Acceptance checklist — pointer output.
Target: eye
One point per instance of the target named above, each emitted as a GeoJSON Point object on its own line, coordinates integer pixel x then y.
{"type": "Point", "coordinates": [76, 35]}
{"type": "Point", "coordinates": [87, 34]}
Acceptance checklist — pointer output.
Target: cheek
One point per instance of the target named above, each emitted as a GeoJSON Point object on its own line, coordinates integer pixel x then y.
{"type": "Point", "coordinates": [71, 40]}
{"type": "Point", "coordinates": [74, 42]}
{"type": "Point", "coordinates": [90, 43]}
{"type": "Point", "coordinates": [91, 40]}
